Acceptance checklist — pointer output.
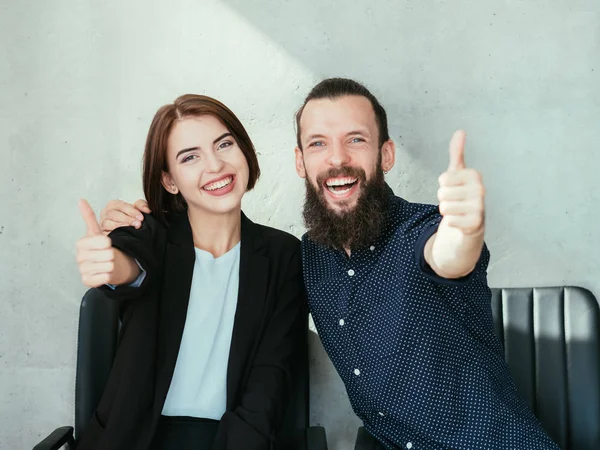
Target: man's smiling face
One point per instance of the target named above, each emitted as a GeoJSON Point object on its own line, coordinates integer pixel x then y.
{"type": "Point", "coordinates": [340, 149]}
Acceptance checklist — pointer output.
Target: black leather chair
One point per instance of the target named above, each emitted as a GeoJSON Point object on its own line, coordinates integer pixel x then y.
{"type": "Point", "coordinates": [551, 342]}
{"type": "Point", "coordinates": [97, 341]}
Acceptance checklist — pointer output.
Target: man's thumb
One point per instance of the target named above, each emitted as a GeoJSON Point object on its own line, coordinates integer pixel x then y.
{"type": "Point", "coordinates": [457, 151]}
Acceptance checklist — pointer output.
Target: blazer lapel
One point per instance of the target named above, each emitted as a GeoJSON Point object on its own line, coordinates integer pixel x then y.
{"type": "Point", "coordinates": [254, 274]}
{"type": "Point", "coordinates": [174, 299]}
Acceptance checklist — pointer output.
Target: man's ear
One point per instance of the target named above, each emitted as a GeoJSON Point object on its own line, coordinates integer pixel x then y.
{"type": "Point", "coordinates": [300, 169]}
{"type": "Point", "coordinates": [388, 155]}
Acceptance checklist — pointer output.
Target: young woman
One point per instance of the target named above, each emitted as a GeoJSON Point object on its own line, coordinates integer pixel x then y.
{"type": "Point", "coordinates": [212, 303]}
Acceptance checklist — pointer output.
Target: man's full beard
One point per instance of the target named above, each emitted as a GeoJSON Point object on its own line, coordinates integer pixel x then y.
{"type": "Point", "coordinates": [348, 229]}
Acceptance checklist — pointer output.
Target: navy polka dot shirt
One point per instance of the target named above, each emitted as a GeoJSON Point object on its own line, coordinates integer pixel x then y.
{"type": "Point", "coordinates": [417, 353]}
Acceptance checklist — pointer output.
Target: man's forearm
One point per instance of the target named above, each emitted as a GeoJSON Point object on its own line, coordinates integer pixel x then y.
{"type": "Point", "coordinates": [453, 254]}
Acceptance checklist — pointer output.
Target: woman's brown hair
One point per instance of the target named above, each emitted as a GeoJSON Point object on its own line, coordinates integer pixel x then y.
{"type": "Point", "coordinates": [161, 202]}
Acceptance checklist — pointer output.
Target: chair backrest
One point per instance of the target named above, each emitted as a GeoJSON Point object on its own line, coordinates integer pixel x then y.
{"type": "Point", "coordinates": [551, 340]}
{"type": "Point", "coordinates": [96, 347]}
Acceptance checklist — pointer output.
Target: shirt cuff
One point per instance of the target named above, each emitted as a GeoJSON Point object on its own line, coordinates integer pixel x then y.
{"type": "Point", "coordinates": [137, 282]}
{"type": "Point", "coordinates": [426, 269]}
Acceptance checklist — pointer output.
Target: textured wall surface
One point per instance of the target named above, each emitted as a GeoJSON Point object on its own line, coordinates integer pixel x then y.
{"type": "Point", "coordinates": [81, 80]}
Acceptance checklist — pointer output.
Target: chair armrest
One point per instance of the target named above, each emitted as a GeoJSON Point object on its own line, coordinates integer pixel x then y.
{"type": "Point", "coordinates": [55, 441]}
{"type": "Point", "coordinates": [364, 441]}
{"type": "Point", "coordinates": [316, 439]}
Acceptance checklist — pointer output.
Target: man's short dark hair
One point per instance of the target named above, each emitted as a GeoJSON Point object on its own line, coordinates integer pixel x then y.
{"type": "Point", "coordinates": [334, 88]}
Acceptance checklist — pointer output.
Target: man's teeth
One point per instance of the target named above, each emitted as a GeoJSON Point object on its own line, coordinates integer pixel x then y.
{"type": "Point", "coordinates": [340, 181]}
{"type": "Point", "coordinates": [218, 184]}
{"type": "Point", "coordinates": [338, 191]}
{"type": "Point", "coordinates": [335, 185]}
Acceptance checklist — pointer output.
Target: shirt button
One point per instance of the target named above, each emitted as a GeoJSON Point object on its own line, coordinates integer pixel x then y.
{"type": "Point", "coordinates": [409, 445]}
{"type": "Point", "coordinates": [342, 322]}
{"type": "Point", "coordinates": [356, 372]}
{"type": "Point", "coordinates": [351, 272]}
{"type": "Point", "coordinates": [372, 247]}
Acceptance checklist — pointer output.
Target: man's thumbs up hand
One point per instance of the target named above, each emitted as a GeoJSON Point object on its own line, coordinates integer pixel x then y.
{"type": "Point", "coordinates": [461, 193]}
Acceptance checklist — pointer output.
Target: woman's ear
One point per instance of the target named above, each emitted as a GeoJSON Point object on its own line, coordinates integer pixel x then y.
{"type": "Point", "coordinates": [169, 184]}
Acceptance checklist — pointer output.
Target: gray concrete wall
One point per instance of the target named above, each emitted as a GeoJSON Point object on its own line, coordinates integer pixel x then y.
{"type": "Point", "coordinates": [80, 81]}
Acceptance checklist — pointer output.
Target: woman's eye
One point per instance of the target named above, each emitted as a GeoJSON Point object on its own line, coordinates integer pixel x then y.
{"type": "Point", "coordinates": [188, 158]}
{"type": "Point", "coordinates": [225, 144]}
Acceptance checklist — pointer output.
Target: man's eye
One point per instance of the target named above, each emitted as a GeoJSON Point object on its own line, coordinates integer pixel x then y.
{"type": "Point", "coordinates": [317, 144]}
{"type": "Point", "coordinates": [357, 139]}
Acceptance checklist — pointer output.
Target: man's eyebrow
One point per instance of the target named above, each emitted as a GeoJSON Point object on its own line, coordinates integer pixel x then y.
{"type": "Point", "coordinates": [358, 131]}
{"type": "Point", "coordinates": [315, 136]}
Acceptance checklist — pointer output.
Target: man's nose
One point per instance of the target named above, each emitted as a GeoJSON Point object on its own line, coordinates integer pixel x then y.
{"type": "Point", "coordinates": [338, 155]}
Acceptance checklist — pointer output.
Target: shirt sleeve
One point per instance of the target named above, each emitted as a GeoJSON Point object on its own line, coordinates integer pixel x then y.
{"type": "Point", "coordinates": [428, 227]}
{"type": "Point", "coordinates": [137, 282]}
{"type": "Point", "coordinates": [144, 245]}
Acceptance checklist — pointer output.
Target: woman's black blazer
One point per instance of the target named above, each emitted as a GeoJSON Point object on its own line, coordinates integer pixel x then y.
{"type": "Point", "coordinates": [267, 336]}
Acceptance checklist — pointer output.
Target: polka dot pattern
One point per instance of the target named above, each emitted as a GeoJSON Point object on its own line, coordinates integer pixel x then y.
{"type": "Point", "coordinates": [417, 353]}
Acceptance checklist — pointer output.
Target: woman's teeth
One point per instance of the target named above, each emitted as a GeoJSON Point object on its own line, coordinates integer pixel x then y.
{"type": "Point", "coordinates": [218, 184]}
